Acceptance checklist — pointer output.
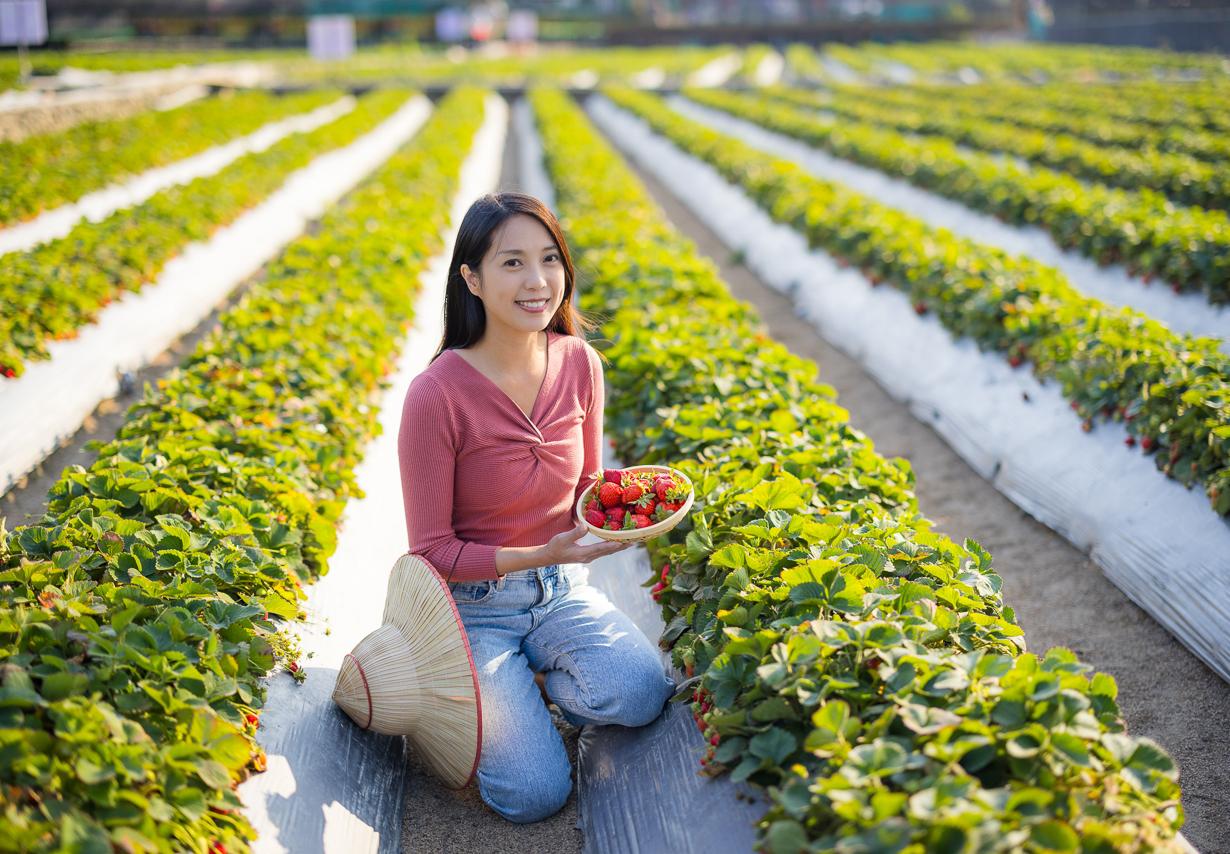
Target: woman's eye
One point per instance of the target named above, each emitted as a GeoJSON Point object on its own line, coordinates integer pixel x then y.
{"type": "Point", "coordinates": [511, 261]}
{"type": "Point", "coordinates": [552, 256]}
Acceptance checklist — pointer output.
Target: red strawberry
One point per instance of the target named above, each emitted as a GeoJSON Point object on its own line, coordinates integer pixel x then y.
{"type": "Point", "coordinates": [252, 719]}
{"type": "Point", "coordinates": [613, 475]}
{"type": "Point", "coordinates": [666, 570]}
{"type": "Point", "coordinates": [1015, 360]}
{"type": "Point", "coordinates": [594, 504]}
{"type": "Point", "coordinates": [1148, 443]}
{"type": "Point", "coordinates": [640, 521]}
{"type": "Point", "coordinates": [920, 307]}
{"type": "Point", "coordinates": [616, 515]}
{"type": "Point", "coordinates": [632, 492]}
{"type": "Point", "coordinates": [661, 485]}
{"type": "Point", "coordinates": [293, 667]}
{"type": "Point", "coordinates": [610, 494]}
{"type": "Point", "coordinates": [645, 504]}
{"type": "Point", "coordinates": [714, 740]}
{"type": "Point", "coordinates": [1130, 441]}
{"type": "Point", "coordinates": [595, 517]}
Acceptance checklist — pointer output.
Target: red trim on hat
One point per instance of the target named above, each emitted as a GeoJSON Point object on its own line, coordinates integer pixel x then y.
{"type": "Point", "coordinates": [478, 705]}
{"type": "Point", "coordinates": [366, 689]}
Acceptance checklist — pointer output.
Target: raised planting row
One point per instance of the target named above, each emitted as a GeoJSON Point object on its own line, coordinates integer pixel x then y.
{"type": "Point", "coordinates": [1173, 391]}
{"type": "Point", "coordinates": [1188, 247]}
{"type": "Point", "coordinates": [1083, 120]}
{"type": "Point", "coordinates": [1180, 177]}
{"type": "Point", "coordinates": [1035, 62]}
{"type": "Point", "coordinates": [1197, 106]}
{"type": "Point", "coordinates": [567, 68]}
{"type": "Point", "coordinates": [840, 653]}
{"type": "Point", "coordinates": [803, 64]}
{"type": "Point", "coordinates": [52, 291]}
{"type": "Point", "coordinates": [43, 172]}
{"type": "Point", "coordinates": [136, 618]}
{"type": "Point", "coordinates": [147, 58]}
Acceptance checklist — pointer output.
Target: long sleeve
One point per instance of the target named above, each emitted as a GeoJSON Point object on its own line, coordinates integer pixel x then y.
{"type": "Point", "coordinates": [592, 426]}
{"type": "Point", "coordinates": [427, 455]}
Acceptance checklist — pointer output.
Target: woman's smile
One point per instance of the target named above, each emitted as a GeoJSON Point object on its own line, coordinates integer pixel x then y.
{"type": "Point", "coordinates": [537, 306]}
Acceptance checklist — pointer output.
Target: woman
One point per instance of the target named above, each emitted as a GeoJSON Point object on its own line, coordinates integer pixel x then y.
{"type": "Point", "coordinates": [499, 437]}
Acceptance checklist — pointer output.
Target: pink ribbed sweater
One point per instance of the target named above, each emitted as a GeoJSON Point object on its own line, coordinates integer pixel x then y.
{"type": "Point", "coordinates": [476, 474]}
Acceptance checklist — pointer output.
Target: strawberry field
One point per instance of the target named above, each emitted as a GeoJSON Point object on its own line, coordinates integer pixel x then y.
{"type": "Point", "coordinates": [1026, 250]}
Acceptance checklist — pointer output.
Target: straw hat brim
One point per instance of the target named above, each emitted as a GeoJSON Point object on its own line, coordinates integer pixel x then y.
{"type": "Point", "coordinates": [415, 675]}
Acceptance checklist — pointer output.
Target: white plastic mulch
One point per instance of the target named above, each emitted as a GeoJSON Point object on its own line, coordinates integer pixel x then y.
{"type": "Point", "coordinates": [102, 203]}
{"type": "Point", "coordinates": [1187, 313]}
{"type": "Point", "coordinates": [533, 174]}
{"type": "Point", "coordinates": [770, 69]}
{"type": "Point", "coordinates": [46, 405]}
{"type": "Point", "coordinates": [1160, 543]}
{"type": "Point", "coordinates": [717, 71]}
{"type": "Point", "coordinates": [347, 603]}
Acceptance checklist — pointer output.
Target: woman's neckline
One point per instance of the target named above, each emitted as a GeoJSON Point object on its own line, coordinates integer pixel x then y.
{"type": "Point", "coordinates": [542, 386]}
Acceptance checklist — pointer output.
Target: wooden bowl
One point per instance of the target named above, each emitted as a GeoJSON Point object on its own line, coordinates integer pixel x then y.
{"type": "Point", "coordinates": [637, 535]}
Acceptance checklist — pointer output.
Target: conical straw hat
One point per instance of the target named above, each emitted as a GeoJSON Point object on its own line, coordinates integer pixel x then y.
{"type": "Point", "coordinates": [415, 676]}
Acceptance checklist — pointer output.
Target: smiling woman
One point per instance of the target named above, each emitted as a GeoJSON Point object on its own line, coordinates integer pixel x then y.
{"type": "Point", "coordinates": [499, 437]}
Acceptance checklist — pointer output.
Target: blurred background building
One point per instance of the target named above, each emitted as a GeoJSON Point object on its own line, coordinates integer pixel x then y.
{"type": "Point", "coordinates": [1180, 24]}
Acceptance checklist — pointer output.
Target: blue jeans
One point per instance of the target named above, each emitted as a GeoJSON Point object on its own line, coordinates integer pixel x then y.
{"type": "Point", "coordinates": [600, 669]}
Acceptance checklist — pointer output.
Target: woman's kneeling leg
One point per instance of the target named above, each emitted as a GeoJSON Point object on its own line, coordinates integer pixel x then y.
{"type": "Point", "coordinates": [601, 669]}
{"type": "Point", "coordinates": [523, 772]}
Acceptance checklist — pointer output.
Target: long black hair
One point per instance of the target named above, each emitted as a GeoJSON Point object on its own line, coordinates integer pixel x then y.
{"type": "Point", "coordinates": [465, 319]}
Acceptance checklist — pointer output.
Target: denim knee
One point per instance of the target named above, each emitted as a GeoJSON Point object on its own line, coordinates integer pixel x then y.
{"type": "Point", "coordinates": [530, 799]}
{"type": "Point", "coordinates": [639, 699]}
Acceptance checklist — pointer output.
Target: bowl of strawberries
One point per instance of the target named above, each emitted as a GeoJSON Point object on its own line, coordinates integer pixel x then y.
{"type": "Point", "coordinates": [635, 503]}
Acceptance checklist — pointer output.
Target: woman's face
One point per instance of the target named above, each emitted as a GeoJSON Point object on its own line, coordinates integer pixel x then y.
{"type": "Point", "coordinates": [521, 278]}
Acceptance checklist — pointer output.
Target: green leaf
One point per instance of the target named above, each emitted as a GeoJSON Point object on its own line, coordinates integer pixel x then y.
{"type": "Point", "coordinates": [212, 773]}
{"type": "Point", "coordinates": [1054, 836]}
{"type": "Point", "coordinates": [784, 492]}
{"type": "Point", "coordinates": [699, 545]}
{"type": "Point", "coordinates": [776, 745]}
{"type": "Point", "coordinates": [786, 837]}
{"type": "Point", "coordinates": [57, 686]}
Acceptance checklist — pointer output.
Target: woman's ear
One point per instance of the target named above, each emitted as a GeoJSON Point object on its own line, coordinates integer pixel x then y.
{"type": "Point", "coordinates": [471, 278]}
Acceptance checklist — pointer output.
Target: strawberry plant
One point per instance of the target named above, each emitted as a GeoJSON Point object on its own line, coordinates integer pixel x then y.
{"type": "Point", "coordinates": [50, 292]}
{"type": "Point", "coordinates": [1109, 362]}
{"type": "Point", "coordinates": [139, 613]}
{"type": "Point", "coordinates": [1187, 246]}
{"type": "Point", "coordinates": [1033, 109]}
{"type": "Point", "coordinates": [859, 666]}
{"type": "Point", "coordinates": [43, 172]}
{"type": "Point", "coordinates": [1180, 177]}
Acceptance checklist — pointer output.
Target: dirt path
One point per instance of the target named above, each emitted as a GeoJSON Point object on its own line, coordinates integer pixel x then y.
{"type": "Point", "coordinates": [436, 820]}
{"type": "Point", "coordinates": [1061, 598]}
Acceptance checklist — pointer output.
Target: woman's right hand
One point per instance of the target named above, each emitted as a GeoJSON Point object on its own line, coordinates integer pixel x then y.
{"type": "Point", "coordinates": [563, 548]}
